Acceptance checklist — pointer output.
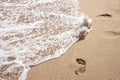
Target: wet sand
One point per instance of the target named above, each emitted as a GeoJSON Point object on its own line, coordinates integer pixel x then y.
{"type": "Point", "coordinates": [100, 50]}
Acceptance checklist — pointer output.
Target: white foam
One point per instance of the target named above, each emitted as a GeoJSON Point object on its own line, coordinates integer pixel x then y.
{"type": "Point", "coordinates": [34, 31]}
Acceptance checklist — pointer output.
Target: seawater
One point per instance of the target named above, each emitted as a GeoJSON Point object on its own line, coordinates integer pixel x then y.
{"type": "Point", "coordinates": [34, 31]}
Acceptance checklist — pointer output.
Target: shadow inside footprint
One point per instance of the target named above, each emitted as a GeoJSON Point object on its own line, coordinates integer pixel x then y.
{"type": "Point", "coordinates": [81, 69]}
{"type": "Point", "coordinates": [80, 61]}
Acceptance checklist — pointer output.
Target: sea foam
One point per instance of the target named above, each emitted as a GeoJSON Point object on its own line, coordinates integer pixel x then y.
{"type": "Point", "coordinates": [34, 31]}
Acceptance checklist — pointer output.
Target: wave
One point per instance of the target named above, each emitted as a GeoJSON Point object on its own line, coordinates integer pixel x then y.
{"type": "Point", "coordinates": [34, 31]}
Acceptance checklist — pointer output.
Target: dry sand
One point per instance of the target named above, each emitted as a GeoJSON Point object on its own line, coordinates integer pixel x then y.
{"type": "Point", "coordinates": [100, 49]}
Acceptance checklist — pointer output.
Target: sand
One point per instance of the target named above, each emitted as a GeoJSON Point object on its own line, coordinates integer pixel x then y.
{"type": "Point", "coordinates": [100, 49]}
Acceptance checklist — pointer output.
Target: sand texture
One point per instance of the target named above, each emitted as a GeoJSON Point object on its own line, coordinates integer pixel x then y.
{"type": "Point", "coordinates": [100, 51]}
{"type": "Point", "coordinates": [34, 31]}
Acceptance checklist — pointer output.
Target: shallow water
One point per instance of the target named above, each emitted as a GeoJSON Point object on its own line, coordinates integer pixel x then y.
{"type": "Point", "coordinates": [33, 31]}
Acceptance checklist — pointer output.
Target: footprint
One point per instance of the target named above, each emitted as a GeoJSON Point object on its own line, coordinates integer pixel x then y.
{"type": "Point", "coordinates": [80, 70]}
{"type": "Point", "coordinates": [105, 15]}
{"type": "Point", "coordinates": [115, 33]}
{"type": "Point", "coordinates": [82, 35]}
{"type": "Point", "coordinates": [82, 67]}
{"type": "Point", "coordinates": [80, 61]}
{"type": "Point", "coordinates": [112, 34]}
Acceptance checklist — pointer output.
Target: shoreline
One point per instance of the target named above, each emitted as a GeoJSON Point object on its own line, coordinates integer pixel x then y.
{"type": "Point", "coordinates": [100, 49]}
